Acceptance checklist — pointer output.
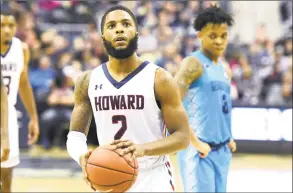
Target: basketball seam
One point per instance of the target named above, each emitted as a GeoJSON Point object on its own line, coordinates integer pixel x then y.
{"type": "Point", "coordinates": [113, 184]}
{"type": "Point", "coordinates": [131, 181]}
{"type": "Point", "coordinates": [123, 158]}
{"type": "Point", "coordinates": [134, 168]}
{"type": "Point", "coordinates": [110, 169]}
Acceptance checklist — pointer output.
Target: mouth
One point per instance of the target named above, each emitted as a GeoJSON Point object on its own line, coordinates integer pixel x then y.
{"type": "Point", "coordinates": [120, 39]}
{"type": "Point", "coordinates": [219, 48]}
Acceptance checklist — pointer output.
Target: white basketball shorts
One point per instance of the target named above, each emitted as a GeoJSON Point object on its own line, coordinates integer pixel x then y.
{"type": "Point", "coordinates": [13, 159]}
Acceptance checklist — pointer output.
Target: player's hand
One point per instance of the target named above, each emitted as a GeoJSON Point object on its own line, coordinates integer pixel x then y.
{"type": "Point", "coordinates": [203, 148]}
{"type": "Point", "coordinates": [125, 146]}
{"type": "Point", "coordinates": [232, 145]}
{"type": "Point", "coordinates": [83, 160]}
{"type": "Point", "coordinates": [33, 131]}
{"type": "Point", "coordinates": [5, 150]}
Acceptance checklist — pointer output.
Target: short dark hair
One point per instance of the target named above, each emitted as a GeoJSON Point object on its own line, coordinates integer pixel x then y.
{"type": "Point", "coordinates": [117, 7]}
{"type": "Point", "coordinates": [214, 15]}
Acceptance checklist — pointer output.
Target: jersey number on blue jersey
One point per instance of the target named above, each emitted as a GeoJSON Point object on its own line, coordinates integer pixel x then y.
{"type": "Point", "coordinates": [116, 119]}
{"type": "Point", "coordinates": [225, 107]}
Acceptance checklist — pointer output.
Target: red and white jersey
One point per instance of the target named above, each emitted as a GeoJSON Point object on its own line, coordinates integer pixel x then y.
{"type": "Point", "coordinates": [12, 63]}
{"type": "Point", "coordinates": [127, 109]}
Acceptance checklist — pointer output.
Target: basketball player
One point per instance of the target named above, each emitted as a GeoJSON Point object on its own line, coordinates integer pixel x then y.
{"type": "Point", "coordinates": [4, 127]}
{"type": "Point", "coordinates": [132, 101]}
{"type": "Point", "coordinates": [14, 65]}
{"type": "Point", "coordinates": [204, 83]}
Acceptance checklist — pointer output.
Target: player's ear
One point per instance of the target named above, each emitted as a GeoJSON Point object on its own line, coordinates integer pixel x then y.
{"type": "Point", "coordinates": [103, 37]}
{"type": "Point", "coordinates": [199, 35]}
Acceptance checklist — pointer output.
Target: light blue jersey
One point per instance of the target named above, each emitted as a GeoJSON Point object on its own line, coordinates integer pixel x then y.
{"type": "Point", "coordinates": [208, 104]}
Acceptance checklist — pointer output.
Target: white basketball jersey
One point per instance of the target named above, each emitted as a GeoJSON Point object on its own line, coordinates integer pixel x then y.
{"type": "Point", "coordinates": [12, 66]}
{"type": "Point", "coordinates": [127, 109]}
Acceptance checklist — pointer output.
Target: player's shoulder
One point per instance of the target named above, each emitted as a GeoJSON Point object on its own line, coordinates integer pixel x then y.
{"type": "Point", "coordinates": [227, 68]}
{"type": "Point", "coordinates": [24, 45]}
{"type": "Point", "coordinates": [191, 60]}
{"type": "Point", "coordinates": [162, 75]}
{"type": "Point", "coordinates": [164, 80]}
{"type": "Point", "coordinates": [16, 41]}
{"type": "Point", "coordinates": [191, 65]}
{"type": "Point", "coordinates": [84, 79]}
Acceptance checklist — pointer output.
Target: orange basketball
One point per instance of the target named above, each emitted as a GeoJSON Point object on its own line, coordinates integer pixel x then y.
{"type": "Point", "coordinates": [110, 172]}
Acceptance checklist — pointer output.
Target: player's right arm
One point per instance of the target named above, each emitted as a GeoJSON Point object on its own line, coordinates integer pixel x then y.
{"type": "Point", "coordinates": [82, 111]}
{"type": "Point", "coordinates": [80, 123]}
{"type": "Point", "coordinates": [4, 124]}
{"type": "Point", "coordinates": [190, 71]}
{"type": "Point", "coordinates": [80, 119]}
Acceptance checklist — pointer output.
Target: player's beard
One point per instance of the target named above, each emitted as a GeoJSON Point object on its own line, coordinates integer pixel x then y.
{"type": "Point", "coordinates": [121, 53]}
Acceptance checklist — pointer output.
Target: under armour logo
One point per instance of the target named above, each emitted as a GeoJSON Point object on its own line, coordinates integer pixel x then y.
{"type": "Point", "coordinates": [98, 86]}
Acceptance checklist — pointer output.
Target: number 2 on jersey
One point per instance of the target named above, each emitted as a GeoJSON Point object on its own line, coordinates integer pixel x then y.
{"type": "Point", "coordinates": [115, 120]}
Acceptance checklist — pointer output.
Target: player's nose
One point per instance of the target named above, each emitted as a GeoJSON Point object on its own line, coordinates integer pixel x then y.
{"type": "Point", "coordinates": [119, 29]}
{"type": "Point", "coordinates": [6, 31]}
{"type": "Point", "coordinates": [218, 41]}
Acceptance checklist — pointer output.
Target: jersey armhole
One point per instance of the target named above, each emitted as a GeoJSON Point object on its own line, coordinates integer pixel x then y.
{"type": "Point", "coordinates": [158, 103]}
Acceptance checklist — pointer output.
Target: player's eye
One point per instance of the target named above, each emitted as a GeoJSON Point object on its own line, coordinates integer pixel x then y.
{"type": "Point", "coordinates": [213, 36]}
{"type": "Point", "coordinates": [126, 24]}
{"type": "Point", "coordinates": [224, 36]}
{"type": "Point", "coordinates": [111, 26]}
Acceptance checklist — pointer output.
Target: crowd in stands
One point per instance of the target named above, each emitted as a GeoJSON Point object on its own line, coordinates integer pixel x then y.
{"type": "Point", "coordinates": [64, 40]}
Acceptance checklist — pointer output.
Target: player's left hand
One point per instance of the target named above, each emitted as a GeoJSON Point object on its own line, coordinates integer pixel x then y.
{"type": "Point", "coordinates": [232, 145]}
{"type": "Point", "coordinates": [125, 146]}
{"type": "Point", "coordinates": [33, 131]}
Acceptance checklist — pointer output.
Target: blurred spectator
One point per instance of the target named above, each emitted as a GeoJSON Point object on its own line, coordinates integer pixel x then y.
{"type": "Point", "coordinates": [55, 120]}
{"type": "Point", "coordinates": [286, 15]}
{"type": "Point", "coordinates": [287, 86]}
{"type": "Point", "coordinates": [170, 59]}
{"type": "Point", "coordinates": [41, 80]}
{"type": "Point", "coordinates": [286, 59]}
{"type": "Point", "coordinates": [72, 71]}
{"type": "Point", "coordinates": [273, 86]}
{"type": "Point", "coordinates": [146, 41]}
{"type": "Point", "coordinates": [189, 43]}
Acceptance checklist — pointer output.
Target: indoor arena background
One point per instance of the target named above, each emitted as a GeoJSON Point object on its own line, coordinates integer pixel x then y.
{"type": "Point", "coordinates": [64, 40]}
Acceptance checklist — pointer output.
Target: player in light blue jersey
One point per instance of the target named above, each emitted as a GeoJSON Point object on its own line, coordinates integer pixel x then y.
{"type": "Point", "coordinates": [204, 83]}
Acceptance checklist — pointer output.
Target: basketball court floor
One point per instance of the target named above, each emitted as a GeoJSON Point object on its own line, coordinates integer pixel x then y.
{"type": "Point", "coordinates": [56, 172]}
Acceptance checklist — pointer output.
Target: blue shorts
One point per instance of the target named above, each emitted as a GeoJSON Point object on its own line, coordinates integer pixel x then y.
{"type": "Point", "coordinates": [204, 174]}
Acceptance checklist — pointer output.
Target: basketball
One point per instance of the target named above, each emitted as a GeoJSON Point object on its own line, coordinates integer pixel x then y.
{"type": "Point", "coordinates": [108, 171]}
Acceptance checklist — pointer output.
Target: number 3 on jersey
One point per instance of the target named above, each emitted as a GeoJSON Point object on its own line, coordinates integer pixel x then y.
{"type": "Point", "coordinates": [225, 107]}
{"type": "Point", "coordinates": [6, 82]}
{"type": "Point", "coordinates": [115, 120]}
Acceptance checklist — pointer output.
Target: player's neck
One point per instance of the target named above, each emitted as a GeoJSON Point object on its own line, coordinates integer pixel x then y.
{"type": "Point", "coordinates": [124, 65]}
{"type": "Point", "coordinates": [210, 56]}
